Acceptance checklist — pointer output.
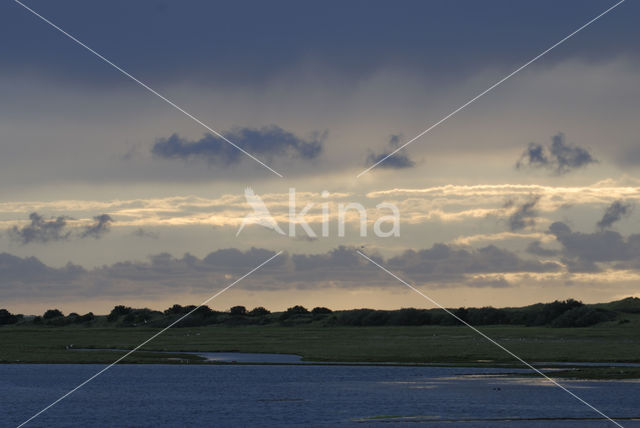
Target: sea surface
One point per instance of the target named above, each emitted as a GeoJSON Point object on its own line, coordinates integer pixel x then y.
{"type": "Point", "coordinates": [130, 395]}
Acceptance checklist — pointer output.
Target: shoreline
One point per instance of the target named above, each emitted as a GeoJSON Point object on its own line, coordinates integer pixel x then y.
{"type": "Point", "coordinates": [603, 352]}
{"type": "Point", "coordinates": [588, 370]}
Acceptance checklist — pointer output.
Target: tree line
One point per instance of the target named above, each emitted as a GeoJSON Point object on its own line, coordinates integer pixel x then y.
{"type": "Point", "coordinates": [564, 313]}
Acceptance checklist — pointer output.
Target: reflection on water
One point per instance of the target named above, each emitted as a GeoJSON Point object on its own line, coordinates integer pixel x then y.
{"type": "Point", "coordinates": [586, 364]}
{"type": "Point", "coordinates": [302, 395]}
{"type": "Point", "coordinates": [240, 357]}
{"type": "Point", "coordinates": [226, 357]}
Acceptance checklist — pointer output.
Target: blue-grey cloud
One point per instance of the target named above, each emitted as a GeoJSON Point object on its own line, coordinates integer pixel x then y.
{"type": "Point", "coordinates": [524, 215]}
{"type": "Point", "coordinates": [237, 259]}
{"type": "Point", "coordinates": [582, 252]}
{"type": "Point", "coordinates": [441, 264]}
{"type": "Point", "coordinates": [277, 36]}
{"type": "Point", "coordinates": [99, 228]}
{"type": "Point", "coordinates": [537, 249]}
{"type": "Point", "coordinates": [269, 142]}
{"type": "Point", "coordinates": [399, 160]}
{"type": "Point", "coordinates": [613, 214]}
{"type": "Point", "coordinates": [31, 270]}
{"type": "Point", "coordinates": [560, 157]}
{"type": "Point", "coordinates": [41, 230]}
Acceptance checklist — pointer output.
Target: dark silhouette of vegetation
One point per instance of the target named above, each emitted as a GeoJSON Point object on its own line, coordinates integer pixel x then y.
{"type": "Point", "coordinates": [85, 318]}
{"type": "Point", "coordinates": [52, 317]}
{"type": "Point", "coordinates": [548, 312]}
{"type": "Point", "coordinates": [238, 310]}
{"type": "Point", "coordinates": [630, 305]}
{"type": "Point", "coordinates": [296, 314]}
{"type": "Point", "coordinates": [136, 317]}
{"type": "Point", "coordinates": [258, 312]}
{"type": "Point", "coordinates": [297, 310]}
{"type": "Point", "coordinates": [117, 312]}
{"type": "Point", "coordinates": [565, 313]}
{"type": "Point", "coordinates": [174, 310]}
{"type": "Point", "coordinates": [52, 313]}
{"type": "Point", "coordinates": [583, 316]}
{"type": "Point", "coordinates": [7, 317]}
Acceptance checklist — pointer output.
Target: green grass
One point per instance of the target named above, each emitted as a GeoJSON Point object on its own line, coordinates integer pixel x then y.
{"type": "Point", "coordinates": [608, 373]}
{"type": "Point", "coordinates": [424, 344]}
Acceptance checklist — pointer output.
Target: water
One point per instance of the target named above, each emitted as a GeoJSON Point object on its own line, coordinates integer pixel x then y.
{"type": "Point", "coordinates": [299, 395]}
{"type": "Point", "coordinates": [586, 364]}
{"type": "Point", "coordinates": [226, 357]}
{"type": "Point", "coordinates": [241, 357]}
{"type": "Point", "coordinates": [256, 357]}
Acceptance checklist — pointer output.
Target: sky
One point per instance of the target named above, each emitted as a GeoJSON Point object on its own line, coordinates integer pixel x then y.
{"type": "Point", "coordinates": [112, 196]}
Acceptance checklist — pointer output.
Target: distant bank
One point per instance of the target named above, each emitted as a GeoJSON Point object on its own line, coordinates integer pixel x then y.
{"type": "Point", "coordinates": [566, 313]}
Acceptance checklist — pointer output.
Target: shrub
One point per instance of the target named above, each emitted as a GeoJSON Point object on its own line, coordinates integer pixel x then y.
{"type": "Point", "coordinates": [354, 316]}
{"type": "Point", "coordinates": [259, 312]}
{"type": "Point", "coordinates": [238, 311]}
{"type": "Point", "coordinates": [174, 310]}
{"type": "Point", "coordinates": [85, 318]}
{"type": "Point", "coordinates": [297, 310]}
{"type": "Point", "coordinates": [376, 318]}
{"type": "Point", "coordinates": [7, 317]}
{"type": "Point", "coordinates": [487, 316]}
{"type": "Point", "coordinates": [117, 312]}
{"type": "Point", "coordinates": [582, 316]}
{"type": "Point", "coordinates": [52, 313]}
{"type": "Point", "coordinates": [550, 311]}
{"type": "Point", "coordinates": [410, 316]}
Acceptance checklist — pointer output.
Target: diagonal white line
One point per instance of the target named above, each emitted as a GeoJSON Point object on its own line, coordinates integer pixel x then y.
{"type": "Point", "coordinates": [487, 337]}
{"type": "Point", "coordinates": [490, 88]}
{"type": "Point", "coordinates": [149, 339]}
{"type": "Point", "coordinates": [148, 88]}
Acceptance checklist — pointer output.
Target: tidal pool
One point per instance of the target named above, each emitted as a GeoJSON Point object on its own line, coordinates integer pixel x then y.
{"type": "Point", "coordinates": [305, 395]}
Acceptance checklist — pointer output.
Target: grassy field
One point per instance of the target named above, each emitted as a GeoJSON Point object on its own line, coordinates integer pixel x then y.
{"type": "Point", "coordinates": [324, 339]}
{"type": "Point", "coordinates": [425, 344]}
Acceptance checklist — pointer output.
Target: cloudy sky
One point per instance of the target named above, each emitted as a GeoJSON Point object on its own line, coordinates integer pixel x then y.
{"type": "Point", "coordinates": [112, 196]}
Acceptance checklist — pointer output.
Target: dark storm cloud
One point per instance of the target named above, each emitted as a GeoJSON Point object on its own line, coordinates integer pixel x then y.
{"type": "Point", "coordinates": [341, 267]}
{"type": "Point", "coordinates": [614, 213]}
{"type": "Point", "coordinates": [524, 215]}
{"type": "Point", "coordinates": [271, 142]}
{"type": "Point", "coordinates": [399, 160]}
{"type": "Point", "coordinates": [443, 262]}
{"type": "Point", "coordinates": [258, 40]}
{"type": "Point", "coordinates": [582, 251]}
{"type": "Point", "coordinates": [176, 272]}
{"type": "Point", "coordinates": [100, 226]}
{"type": "Point", "coordinates": [41, 230]}
{"type": "Point", "coordinates": [560, 157]}
{"type": "Point", "coordinates": [342, 264]}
